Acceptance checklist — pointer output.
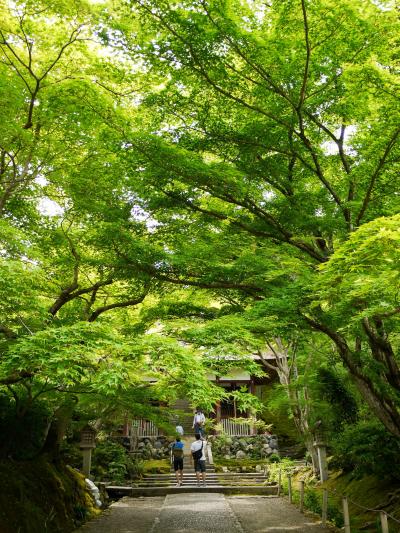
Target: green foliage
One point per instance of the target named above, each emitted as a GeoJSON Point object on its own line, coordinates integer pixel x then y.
{"type": "Point", "coordinates": [219, 148]}
{"type": "Point", "coordinates": [362, 275]}
{"type": "Point", "coordinates": [110, 461]}
{"type": "Point", "coordinates": [22, 431]}
{"type": "Point", "coordinates": [367, 449]}
{"type": "Point", "coordinates": [313, 502]}
{"type": "Point", "coordinates": [343, 408]}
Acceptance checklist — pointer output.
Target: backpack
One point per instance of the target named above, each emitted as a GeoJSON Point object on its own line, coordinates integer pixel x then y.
{"type": "Point", "coordinates": [177, 452]}
{"type": "Point", "coordinates": [198, 453]}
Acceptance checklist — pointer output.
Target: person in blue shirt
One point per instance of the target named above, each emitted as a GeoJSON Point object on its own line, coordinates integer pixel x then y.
{"type": "Point", "coordinates": [177, 454]}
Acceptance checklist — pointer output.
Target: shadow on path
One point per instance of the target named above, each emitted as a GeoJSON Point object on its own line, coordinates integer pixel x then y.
{"type": "Point", "coordinates": [202, 513]}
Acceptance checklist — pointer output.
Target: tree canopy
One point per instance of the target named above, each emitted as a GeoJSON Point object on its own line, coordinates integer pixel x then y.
{"type": "Point", "coordinates": [227, 169]}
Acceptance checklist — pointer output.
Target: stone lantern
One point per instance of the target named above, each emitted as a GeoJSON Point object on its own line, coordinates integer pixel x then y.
{"type": "Point", "coordinates": [320, 446]}
{"type": "Point", "coordinates": [88, 442]}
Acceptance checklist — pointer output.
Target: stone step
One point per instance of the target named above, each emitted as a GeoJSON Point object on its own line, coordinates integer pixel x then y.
{"type": "Point", "coordinates": [211, 474]}
{"type": "Point", "coordinates": [209, 483]}
{"type": "Point", "coordinates": [210, 478]}
{"type": "Point", "coordinates": [216, 478]}
{"type": "Point", "coordinates": [119, 492]}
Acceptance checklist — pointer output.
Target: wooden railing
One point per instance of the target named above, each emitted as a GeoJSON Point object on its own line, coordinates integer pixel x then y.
{"type": "Point", "coordinates": [233, 429]}
{"type": "Point", "coordinates": [145, 428]}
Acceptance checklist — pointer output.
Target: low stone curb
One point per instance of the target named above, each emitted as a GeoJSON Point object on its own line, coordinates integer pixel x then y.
{"type": "Point", "coordinates": [119, 492]}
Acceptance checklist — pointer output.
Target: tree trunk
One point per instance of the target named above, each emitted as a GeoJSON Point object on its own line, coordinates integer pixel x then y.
{"type": "Point", "coordinates": [57, 428]}
{"type": "Point", "coordinates": [285, 371]}
{"type": "Point", "coordinates": [380, 402]}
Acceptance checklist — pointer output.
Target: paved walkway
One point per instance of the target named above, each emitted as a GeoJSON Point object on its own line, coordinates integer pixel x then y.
{"type": "Point", "coordinates": [202, 513]}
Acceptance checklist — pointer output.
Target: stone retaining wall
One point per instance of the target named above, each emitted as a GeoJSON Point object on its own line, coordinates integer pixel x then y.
{"type": "Point", "coordinates": [251, 447]}
{"type": "Point", "coordinates": [153, 447]}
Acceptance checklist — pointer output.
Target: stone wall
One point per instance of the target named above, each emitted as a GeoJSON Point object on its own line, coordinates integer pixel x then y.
{"type": "Point", "coordinates": [250, 447]}
{"type": "Point", "coordinates": [153, 447]}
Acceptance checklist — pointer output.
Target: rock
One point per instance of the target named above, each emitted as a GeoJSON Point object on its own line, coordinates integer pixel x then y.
{"type": "Point", "coordinates": [94, 491]}
{"type": "Point", "coordinates": [243, 469]}
{"type": "Point", "coordinates": [158, 444]}
{"type": "Point", "coordinates": [273, 442]}
{"type": "Point", "coordinates": [240, 454]}
{"type": "Point", "coordinates": [258, 468]}
{"type": "Point", "coordinates": [225, 469]}
{"type": "Point", "coordinates": [227, 456]}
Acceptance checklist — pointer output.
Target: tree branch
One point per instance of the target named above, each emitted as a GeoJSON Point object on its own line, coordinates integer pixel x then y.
{"type": "Point", "coordinates": [377, 171]}
{"type": "Point", "coordinates": [126, 303]}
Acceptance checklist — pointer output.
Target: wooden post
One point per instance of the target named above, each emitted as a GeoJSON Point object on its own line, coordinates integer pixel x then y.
{"type": "Point", "coordinates": [346, 516]}
{"type": "Point", "coordinates": [324, 506]}
{"type": "Point", "coordinates": [125, 429]}
{"type": "Point", "coordinates": [218, 412]}
{"type": "Point", "coordinates": [384, 522]}
{"type": "Point", "coordinates": [301, 496]}
{"type": "Point", "coordinates": [279, 481]}
{"type": "Point", "coordinates": [289, 478]}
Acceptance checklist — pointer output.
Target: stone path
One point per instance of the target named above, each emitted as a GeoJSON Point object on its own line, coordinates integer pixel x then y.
{"type": "Point", "coordinates": [273, 515]}
{"type": "Point", "coordinates": [196, 513]}
{"type": "Point", "coordinates": [202, 513]}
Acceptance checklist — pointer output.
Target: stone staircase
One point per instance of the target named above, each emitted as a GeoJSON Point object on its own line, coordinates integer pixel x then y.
{"type": "Point", "coordinates": [223, 482]}
{"type": "Point", "coordinates": [185, 416]}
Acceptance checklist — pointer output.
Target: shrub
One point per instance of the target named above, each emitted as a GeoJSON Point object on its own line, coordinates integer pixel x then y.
{"type": "Point", "coordinates": [22, 435]}
{"type": "Point", "coordinates": [367, 448]}
{"type": "Point", "coordinates": [274, 458]}
{"type": "Point", "coordinates": [111, 461]}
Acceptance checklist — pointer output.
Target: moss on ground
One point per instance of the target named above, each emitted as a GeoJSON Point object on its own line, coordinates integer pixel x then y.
{"type": "Point", "coordinates": [40, 497]}
{"type": "Point", "coordinates": [369, 492]}
{"type": "Point", "coordinates": [156, 466]}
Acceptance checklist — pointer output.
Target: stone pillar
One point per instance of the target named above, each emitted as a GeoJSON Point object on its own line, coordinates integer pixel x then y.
{"type": "Point", "coordinates": [252, 389]}
{"type": "Point", "coordinates": [87, 461]}
{"type": "Point", "coordinates": [209, 453]}
{"type": "Point", "coordinates": [322, 462]}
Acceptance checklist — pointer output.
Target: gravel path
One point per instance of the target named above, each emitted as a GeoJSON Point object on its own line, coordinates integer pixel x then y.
{"type": "Point", "coordinates": [202, 513]}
